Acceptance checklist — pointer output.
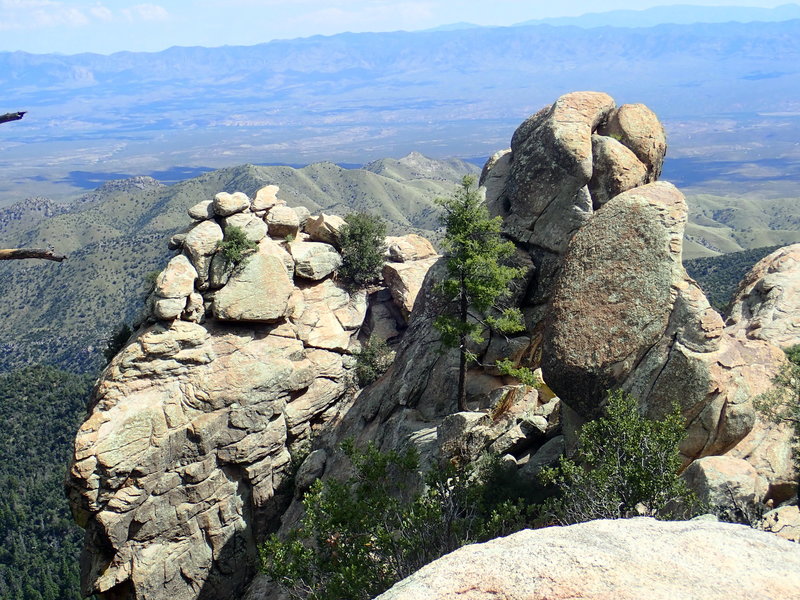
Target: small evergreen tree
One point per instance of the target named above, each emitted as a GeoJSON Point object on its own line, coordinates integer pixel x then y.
{"type": "Point", "coordinates": [236, 244]}
{"type": "Point", "coordinates": [363, 242]}
{"type": "Point", "coordinates": [477, 276]}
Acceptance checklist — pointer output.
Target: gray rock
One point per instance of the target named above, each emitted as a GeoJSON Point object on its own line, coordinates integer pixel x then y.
{"type": "Point", "coordinates": [546, 456]}
{"type": "Point", "coordinates": [255, 229]}
{"type": "Point", "coordinates": [310, 470]}
{"type": "Point", "coordinates": [766, 305]}
{"type": "Point", "coordinates": [258, 290]}
{"type": "Point", "coordinates": [727, 484]}
{"type": "Point", "coordinates": [201, 243]}
{"type": "Point", "coordinates": [167, 309]}
{"type": "Point", "coordinates": [314, 260]}
{"type": "Point", "coordinates": [202, 210]}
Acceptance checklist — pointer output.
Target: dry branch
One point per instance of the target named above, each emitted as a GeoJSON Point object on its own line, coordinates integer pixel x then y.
{"type": "Point", "coordinates": [43, 253]}
{"type": "Point", "coordinates": [15, 116]}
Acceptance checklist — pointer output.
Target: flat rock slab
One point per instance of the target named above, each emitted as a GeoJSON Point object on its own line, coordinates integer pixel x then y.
{"type": "Point", "coordinates": [629, 559]}
{"type": "Point", "coordinates": [258, 291]}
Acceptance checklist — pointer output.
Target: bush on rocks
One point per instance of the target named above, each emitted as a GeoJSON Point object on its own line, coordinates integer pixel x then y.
{"type": "Point", "coordinates": [362, 242]}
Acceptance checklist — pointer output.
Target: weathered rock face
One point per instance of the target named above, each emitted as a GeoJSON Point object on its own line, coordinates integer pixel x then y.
{"type": "Point", "coordinates": [627, 559]}
{"type": "Point", "coordinates": [185, 455]}
{"type": "Point", "coordinates": [767, 304]}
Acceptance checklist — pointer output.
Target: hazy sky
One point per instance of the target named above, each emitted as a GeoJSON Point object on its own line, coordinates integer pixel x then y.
{"type": "Point", "coordinates": [111, 25]}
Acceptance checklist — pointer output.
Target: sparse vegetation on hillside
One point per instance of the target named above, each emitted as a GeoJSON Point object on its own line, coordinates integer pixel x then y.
{"type": "Point", "coordinates": [624, 466]}
{"type": "Point", "coordinates": [719, 276]}
{"type": "Point", "coordinates": [362, 242]}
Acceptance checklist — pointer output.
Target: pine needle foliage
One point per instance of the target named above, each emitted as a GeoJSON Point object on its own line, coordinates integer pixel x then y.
{"type": "Point", "coordinates": [478, 276]}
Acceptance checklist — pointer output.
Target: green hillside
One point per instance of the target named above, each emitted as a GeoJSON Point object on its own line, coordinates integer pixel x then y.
{"type": "Point", "coordinates": [722, 224]}
{"type": "Point", "coordinates": [61, 313]}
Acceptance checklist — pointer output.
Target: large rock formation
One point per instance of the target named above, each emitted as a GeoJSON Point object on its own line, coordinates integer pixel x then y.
{"type": "Point", "coordinates": [184, 460]}
{"type": "Point", "coordinates": [627, 559]}
{"type": "Point", "coordinates": [188, 446]}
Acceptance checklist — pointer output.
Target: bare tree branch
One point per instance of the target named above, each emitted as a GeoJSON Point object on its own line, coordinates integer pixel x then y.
{"type": "Point", "coordinates": [15, 116]}
{"type": "Point", "coordinates": [43, 253]}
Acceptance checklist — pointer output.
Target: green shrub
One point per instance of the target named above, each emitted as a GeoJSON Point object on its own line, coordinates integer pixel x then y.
{"type": "Point", "coordinates": [360, 536]}
{"type": "Point", "coordinates": [781, 404]}
{"type": "Point", "coordinates": [363, 242]}
{"type": "Point", "coordinates": [236, 244]}
{"type": "Point", "coordinates": [625, 465]}
{"type": "Point", "coordinates": [372, 361]}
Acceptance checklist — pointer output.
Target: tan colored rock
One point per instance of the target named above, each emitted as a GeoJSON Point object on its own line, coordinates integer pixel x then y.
{"type": "Point", "coordinates": [226, 204]}
{"type": "Point", "coordinates": [408, 248]}
{"type": "Point", "coordinates": [195, 308]}
{"type": "Point", "coordinates": [177, 279]}
{"type": "Point", "coordinates": [315, 316]}
{"type": "Point", "coordinates": [767, 304]}
{"type": "Point", "coordinates": [202, 210]}
{"type": "Point", "coordinates": [201, 243]}
{"type": "Point", "coordinates": [303, 214]}
{"type": "Point", "coordinates": [768, 447]}
{"type": "Point", "coordinates": [271, 247]}
{"type": "Point", "coordinates": [325, 228]}
{"type": "Point", "coordinates": [283, 222]}
{"type": "Point", "coordinates": [255, 229]}
{"type": "Point", "coordinates": [314, 260]}
{"type": "Point", "coordinates": [638, 128]}
{"type": "Point", "coordinates": [266, 198]}
{"type": "Point", "coordinates": [613, 300]}
{"type": "Point", "coordinates": [404, 281]}
{"type": "Point", "coordinates": [258, 290]}
{"type": "Point", "coordinates": [783, 522]}
{"type": "Point", "coordinates": [626, 559]}
{"type": "Point", "coordinates": [615, 170]}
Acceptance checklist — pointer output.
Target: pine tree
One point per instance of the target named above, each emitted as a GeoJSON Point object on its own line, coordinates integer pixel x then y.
{"type": "Point", "coordinates": [477, 276]}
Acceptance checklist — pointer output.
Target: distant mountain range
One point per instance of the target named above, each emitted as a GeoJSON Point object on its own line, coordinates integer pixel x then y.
{"type": "Point", "coordinates": [728, 93]}
{"type": "Point", "coordinates": [676, 14]}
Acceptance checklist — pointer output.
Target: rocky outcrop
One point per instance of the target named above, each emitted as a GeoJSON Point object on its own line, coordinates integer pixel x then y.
{"type": "Point", "coordinates": [766, 307]}
{"type": "Point", "coordinates": [767, 304]}
{"type": "Point", "coordinates": [627, 559]}
{"type": "Point", "coordinates": [187, 450]}
{"type": "Point", "coordinates": [185, 456]}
